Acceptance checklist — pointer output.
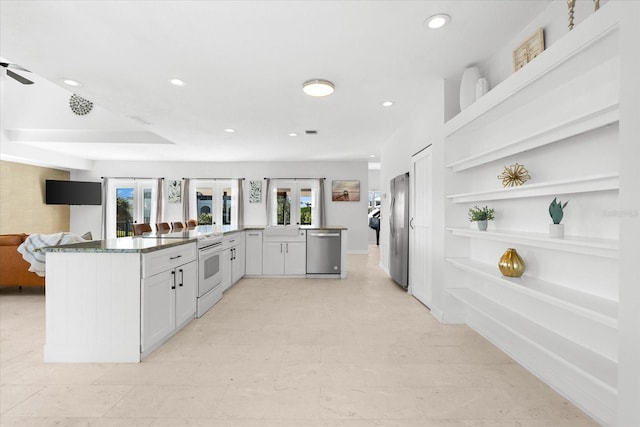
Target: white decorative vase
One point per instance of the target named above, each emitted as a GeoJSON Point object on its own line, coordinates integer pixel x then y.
{"type": "Point", "coordinates": [470, 77]}
{"type": "Point", "coordinates": [482, 87]}
{"type": "Point", "coordinates": [556, 231]}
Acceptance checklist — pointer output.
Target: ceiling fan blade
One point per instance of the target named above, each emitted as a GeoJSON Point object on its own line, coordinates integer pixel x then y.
{"type": "Point", "coordinates": [19, 78]}
{"type": "Point", "coordinates": [13, 66]}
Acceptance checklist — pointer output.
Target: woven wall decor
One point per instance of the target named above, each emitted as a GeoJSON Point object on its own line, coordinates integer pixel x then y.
{"type": "Point", "coordinates": [79, 105]}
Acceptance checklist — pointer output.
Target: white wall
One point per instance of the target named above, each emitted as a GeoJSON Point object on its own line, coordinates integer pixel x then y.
{"type": "Point", "coordinates": [629, 297]}
{"type": "Point", "coordinates": [352, 215]}
{"type": "Point", "coordinates": [422, 127]}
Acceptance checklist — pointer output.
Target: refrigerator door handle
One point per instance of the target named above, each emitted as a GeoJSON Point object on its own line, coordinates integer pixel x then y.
{"type": "Point", "coordinates": [411, 223]}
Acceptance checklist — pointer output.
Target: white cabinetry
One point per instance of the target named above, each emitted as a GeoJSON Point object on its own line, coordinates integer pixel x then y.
{"type": "Point", "coordinates": [558, 116]}
{"type": "Point", "coordinates": [253, 253]}
{"type": "Point", "coordinates": [284, 255]}
{"type": "Point", "coordinates": [233, 259]}
{"type": "Point", "coordinates": [168, 296]}
{"type": "Point", "coordinates": [117, 303]}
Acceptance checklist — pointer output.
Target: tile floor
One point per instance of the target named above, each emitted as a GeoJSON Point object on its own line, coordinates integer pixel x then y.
{"type": "Point", "coordinates": [333, 353]}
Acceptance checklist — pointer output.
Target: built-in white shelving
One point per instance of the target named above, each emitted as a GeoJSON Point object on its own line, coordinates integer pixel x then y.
{"type": "Point", "coordinates": [573, 355]}
{"type": "Point", "coordinates": [595, 308]}
{"type": "Point", "coordinates": [602, 182]}
{"type": "Point", "coordinates": [607, 248]}
{"type": "Point", "coordinates": [589, 362]}
{"type": "Point", "coordinates": [508, 95]}
{"type": "Point", "coordinates": [566, 332]}
{"type": "Point", "coordinates": [606, 115]}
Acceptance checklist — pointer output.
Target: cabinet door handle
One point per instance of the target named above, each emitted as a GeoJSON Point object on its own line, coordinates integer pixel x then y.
{"type": "Point", "coordinates": [175, 257]}
{"type": "Point", "coordinates": [181, 277]}
{"type": "Point", "coordinates": [287, 247]}
{"type": "Point", "coordinates": [280, 247]}
{"type": "Point", "coordinates": [173, 280]}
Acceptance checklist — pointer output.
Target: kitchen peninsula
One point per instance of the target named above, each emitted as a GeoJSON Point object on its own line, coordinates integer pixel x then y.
{"type": "Point", "coordinates": [117, 300]}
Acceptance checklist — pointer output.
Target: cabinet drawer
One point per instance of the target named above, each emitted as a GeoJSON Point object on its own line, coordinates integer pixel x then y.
{"type": "Point", "coordinates": [167, 259]}
{"type": "Point", "coordinates": [233, 240]}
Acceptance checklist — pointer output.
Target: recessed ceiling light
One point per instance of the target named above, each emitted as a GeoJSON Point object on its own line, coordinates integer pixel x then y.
{"type": "Point", "coordinates": [372, 155]}
{"type": "Point", "coordinates": [387, 103]}
{"type": "Point", "coordinates": [437, 21]}
{"type": "Point", "coordinates": [293, 134]}
{"type": "Point", "coordinates": [318, 87]}
{"type": "Point", "coordinates": [177, 82]}
{"type": "Point", "coordinates": [229, 130]}
{"type": "Point", "coordinates": [70, 82]}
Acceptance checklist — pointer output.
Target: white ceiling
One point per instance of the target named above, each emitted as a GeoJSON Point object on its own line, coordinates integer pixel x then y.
{"type": "Point", "coordinates": [244, 63]}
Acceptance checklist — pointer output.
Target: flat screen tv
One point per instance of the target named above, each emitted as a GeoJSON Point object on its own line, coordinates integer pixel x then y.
{"type": "Point", "coordinates": [72, 193]}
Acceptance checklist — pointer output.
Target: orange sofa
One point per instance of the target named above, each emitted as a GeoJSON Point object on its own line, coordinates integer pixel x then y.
{"type": "Point", "coordinates": [14, 270]}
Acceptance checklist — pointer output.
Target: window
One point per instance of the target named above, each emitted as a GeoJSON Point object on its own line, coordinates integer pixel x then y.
{"type": "Point", "coordinates": [284, 206]}
{"type": "Point", "coordinates": [134, 203]}
{"type": "Point", "coordinates": [204, 197]}
{"type": "Point", "coordinates": [215, 202]}
{"type": "Point", "coordinates": [306, 202]}
{"type": "Point", "coordinates": [294, 202]}
{"type": "Point", "coordinates": [374, 200]}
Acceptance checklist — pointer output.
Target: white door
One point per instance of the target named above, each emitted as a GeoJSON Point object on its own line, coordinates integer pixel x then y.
{"type": "Point", "coordinates": [420, 235]}
{"type": "Point", "coordinates": [133, 202]}
{"type": "Point", "coordinates": [273, 258]}
{"type": "Point", "coordinates": [238, 263]}
{"type": "Point", "coordinates": [158, 308]}
{"type": "Point", "coordinates": [295, 261]}
{"type": "Point", "coordinates": [253, 253]}
{"type": "Point", "coordinates": [186, 292]}
{"type": "Point", "coordinates": [226, 264]}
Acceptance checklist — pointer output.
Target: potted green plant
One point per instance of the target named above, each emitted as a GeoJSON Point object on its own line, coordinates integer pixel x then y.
{"type": "Point", "coordinates": [481, 216]}
{"type": "Point", "coordinates": [556, 210]}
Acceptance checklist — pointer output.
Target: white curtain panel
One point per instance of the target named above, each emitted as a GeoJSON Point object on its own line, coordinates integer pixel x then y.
{"type": "Point", "coordinates": [240, 202]}
{"type": "Point", "coordinates": [269, 185]}
{"type": "Point", "coordinates": [108, 208]}
{"type": "Point", "coordinates": [159, 199]}
{"type": "Point", "coordinates": [186, 199]}
{"type": "Point", "coordinates": [320, 216]}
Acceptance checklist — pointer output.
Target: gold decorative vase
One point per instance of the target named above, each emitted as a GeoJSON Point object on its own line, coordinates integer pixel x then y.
{"type": "Point", "coordinates": [511, 265]}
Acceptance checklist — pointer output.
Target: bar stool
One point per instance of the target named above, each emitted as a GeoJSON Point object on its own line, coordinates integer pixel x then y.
{"type": "Point", "coordinates": [163, 227]}
{"type": "Point", "coordinates": [139, 229]}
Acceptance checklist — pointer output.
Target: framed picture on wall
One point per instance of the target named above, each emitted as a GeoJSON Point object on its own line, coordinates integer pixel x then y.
{"type": "Point", "coordinates": [345, 191]}
{"type": "Point", "coordinates": [255, 191]}
{"type": "Point", "coordinates": [174, 191]}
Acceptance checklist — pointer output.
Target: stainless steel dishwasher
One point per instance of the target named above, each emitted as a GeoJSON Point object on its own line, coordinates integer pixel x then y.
{"type": "Point", "coordinates": [323, 251]}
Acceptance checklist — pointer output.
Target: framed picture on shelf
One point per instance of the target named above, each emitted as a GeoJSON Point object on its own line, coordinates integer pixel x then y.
{"type": "Point", "coordinates": [528, 50]}
{"type": "Point", "coordinates": [345, 191]}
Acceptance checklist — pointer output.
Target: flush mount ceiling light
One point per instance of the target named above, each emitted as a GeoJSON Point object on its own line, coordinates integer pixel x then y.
{"type": "Point", "coordinates": [387, 103]}
{"type": "Point", "coordinates": [437, 21]}
{"type": "Point", "coordinates": [70, 82]}
{"type": "Point", "coordinates": [229, 130]}
{"type": "Point", "coordinates": [318, 87]}
{"type": "Point", "coordinates": [177, 82]}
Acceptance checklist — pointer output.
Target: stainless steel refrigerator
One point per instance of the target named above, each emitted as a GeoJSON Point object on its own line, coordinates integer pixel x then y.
{"type": "Point", "coordinates": [399, 230]}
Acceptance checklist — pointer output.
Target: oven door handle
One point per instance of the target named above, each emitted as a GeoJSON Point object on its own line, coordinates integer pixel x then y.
{"type": "Point", "coordinates": [207, 250]}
